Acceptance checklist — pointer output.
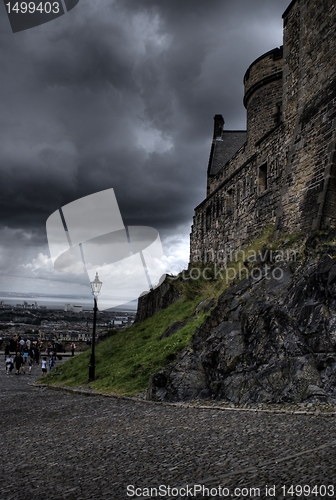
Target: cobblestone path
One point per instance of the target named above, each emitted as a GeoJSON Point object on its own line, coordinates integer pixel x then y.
{"type": "Point", "coordinates": [61, 445]}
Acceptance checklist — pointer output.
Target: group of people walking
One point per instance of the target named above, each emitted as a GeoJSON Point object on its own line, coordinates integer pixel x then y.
{"type": "Point", "coordinates": [27, 354]}
{"type": "Point", "coordinates": [19, 363]}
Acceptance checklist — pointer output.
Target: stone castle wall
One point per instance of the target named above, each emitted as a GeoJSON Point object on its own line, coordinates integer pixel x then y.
{"type": "Point", "coordinates": [309, 107]}
{"type": "Point", "coordinates": [285, 173]}
{"type": "Point", "coordinates": [263, 95]}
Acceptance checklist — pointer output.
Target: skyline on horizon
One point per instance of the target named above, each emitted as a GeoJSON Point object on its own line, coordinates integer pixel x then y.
{"type": "Point", "coordinates": [58, 301]}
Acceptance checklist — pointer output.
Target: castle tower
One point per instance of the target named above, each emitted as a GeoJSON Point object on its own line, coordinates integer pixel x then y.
{"type": "Point", "coordinates": [284, 171]}
{"type": "Point", "coordinates": [263, 95]}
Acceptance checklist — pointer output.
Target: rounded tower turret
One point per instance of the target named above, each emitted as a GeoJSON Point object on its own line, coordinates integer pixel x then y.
{"type": "Point", "coordinates": [263, 94]}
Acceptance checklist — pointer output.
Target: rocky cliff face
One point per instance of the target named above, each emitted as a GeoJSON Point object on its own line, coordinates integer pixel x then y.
{"type": "Point", "coordinates": [271, 339]}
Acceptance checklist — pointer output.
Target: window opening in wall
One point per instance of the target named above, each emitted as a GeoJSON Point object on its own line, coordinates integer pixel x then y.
{"type": "Point", "coordinates": [229, 202]}
{"type": "Point", "coordinates": [208, 218]}
{"type": "Point", "coordinates": [276, 168]}
{"type": "Point", "coordinates": [262, 178]}
{"type": "Point", "coordinates": [209, 256]}
{"type": "Point", "coordinates": [217, 208]}
{"type": "Point", "coordinates": [278, 113]}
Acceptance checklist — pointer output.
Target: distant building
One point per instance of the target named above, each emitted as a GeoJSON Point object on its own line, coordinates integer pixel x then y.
{"type": "Point", "coordinates": [121, 321]}
{"type": "Point", "coordinates": [25, 305]}
{"type": "Point", "coordinates": [72, 308]}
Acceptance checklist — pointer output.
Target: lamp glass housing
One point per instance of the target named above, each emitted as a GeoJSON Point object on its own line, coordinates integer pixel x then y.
{"type": "Point", "coordinates": [96, 285]}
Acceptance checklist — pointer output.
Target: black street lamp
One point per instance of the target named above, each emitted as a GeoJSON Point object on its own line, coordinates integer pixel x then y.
{"type": "Point", "coordinates": [96, 285]}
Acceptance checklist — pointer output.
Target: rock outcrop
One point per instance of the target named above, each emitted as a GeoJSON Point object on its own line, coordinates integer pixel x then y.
{"type": "Point", "coordinates": [267, 340]}
{"type": "Point", "coordinates": [157, 299]}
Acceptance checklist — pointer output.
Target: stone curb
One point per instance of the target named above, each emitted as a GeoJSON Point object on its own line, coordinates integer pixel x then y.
{"type": "Point", "coordinates": [316, 412]}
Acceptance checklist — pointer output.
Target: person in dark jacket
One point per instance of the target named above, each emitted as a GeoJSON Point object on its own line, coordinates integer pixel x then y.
{"type": "Point", "coordinates": [12, 344]}
{"type": "Point", "coordinates": [36, 354]}
{"type": "Point", "coordinates": [7, 349]}
{"type": "Point", "coordinates": [18, 361]}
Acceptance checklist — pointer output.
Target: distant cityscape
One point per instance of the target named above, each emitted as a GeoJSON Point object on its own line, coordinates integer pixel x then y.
{"type": "Point", "coordinates": [24, 305]}
{"type": "Point", "coordinates": [70, 323]}
{"type": "Point", "coordinates": [53, 301]}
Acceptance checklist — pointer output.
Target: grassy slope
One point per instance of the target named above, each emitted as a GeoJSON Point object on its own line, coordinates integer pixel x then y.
{"type": "Point", "coordinates": [125, 361]}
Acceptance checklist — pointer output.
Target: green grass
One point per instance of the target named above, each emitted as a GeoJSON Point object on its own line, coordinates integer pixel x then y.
{"type": "Point", "coordinates": [125, 361]}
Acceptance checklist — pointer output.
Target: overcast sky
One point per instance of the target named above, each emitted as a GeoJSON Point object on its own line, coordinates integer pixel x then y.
{"type": "Point", "coordinates": [118, 94]}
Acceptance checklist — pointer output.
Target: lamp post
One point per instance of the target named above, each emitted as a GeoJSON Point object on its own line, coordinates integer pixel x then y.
{"type": "Point", "coordinates": [96, 285]}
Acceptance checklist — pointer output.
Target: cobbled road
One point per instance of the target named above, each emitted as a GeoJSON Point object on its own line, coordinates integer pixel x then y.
{"type": "Point", "coordinates": [64, 445]}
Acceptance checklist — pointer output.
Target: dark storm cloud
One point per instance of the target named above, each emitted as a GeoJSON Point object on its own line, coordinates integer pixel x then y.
{"type": "Point", "coordinates": [212, 44]}
{"type": "Point", "coordinates": [122, 94]}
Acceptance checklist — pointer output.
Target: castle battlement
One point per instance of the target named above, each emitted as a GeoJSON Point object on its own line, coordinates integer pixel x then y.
{"type": "Point", "coordinates": [281, 170]}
